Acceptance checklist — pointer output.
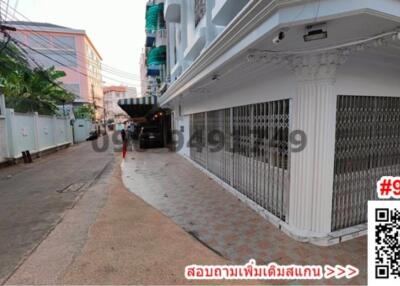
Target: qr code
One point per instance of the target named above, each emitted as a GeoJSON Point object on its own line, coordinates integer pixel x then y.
{"type": "Point", "coordinates": [384, 241]}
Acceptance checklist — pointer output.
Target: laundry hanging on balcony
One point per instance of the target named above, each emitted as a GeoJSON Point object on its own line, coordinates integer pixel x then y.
{"type": "Point", "coordinates": [155, 17]}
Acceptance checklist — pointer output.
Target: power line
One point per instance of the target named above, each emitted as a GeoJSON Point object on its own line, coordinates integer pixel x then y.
{"type": "Point", "coordinates": [45, 40]}
{"type": "Point", "coordinates": [78, 64]}
{"type": "Point", "coordinates": [110, 68]}
{"type": "Point", "coordinates": [50, 58]}
{"type": "Point", "coordinates": [8, 5]}
{"type": "Point", "coordinates": [71, 62]}
{"type": "Point", "coordinates": [27, 55]}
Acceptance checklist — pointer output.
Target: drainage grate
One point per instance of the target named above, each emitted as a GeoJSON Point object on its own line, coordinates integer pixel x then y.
{"type": "Point", "coordinates": [73, 188]}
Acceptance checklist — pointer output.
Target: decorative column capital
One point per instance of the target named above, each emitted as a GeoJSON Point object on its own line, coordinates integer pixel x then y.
{"type": "Point", "coordinates": [320, 66]}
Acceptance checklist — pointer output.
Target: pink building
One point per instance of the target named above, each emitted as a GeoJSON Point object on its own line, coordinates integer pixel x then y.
{"type": "Point", "coordinates": [112, 94]}
{"type": "Point", "coordinates": [69, 50]}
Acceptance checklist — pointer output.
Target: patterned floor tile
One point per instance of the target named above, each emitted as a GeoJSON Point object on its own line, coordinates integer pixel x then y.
{"type": "Point", "coordinates": [203, 208]}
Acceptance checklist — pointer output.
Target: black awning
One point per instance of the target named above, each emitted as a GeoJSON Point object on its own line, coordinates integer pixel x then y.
{"type": "Point", "coordinates": [138, 107]}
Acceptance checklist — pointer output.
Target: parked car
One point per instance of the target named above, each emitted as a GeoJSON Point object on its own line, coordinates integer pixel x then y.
{"type": "Point", "coordinates": [150, 136]}
{"type": "Point", "coordinates": [93, 135]}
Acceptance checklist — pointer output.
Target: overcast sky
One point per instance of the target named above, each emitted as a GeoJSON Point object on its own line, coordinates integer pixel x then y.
{"type": "Point", "coordinates": [116, 27]}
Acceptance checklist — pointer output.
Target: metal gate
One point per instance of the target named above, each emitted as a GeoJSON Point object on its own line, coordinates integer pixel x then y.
{"type": "Point", "coordinates": [367, 148]}
{"type": "Point", "coordinates": [197, 141]}
{"type": "Point", "coordinates": [219, 153]}
{"type": "Point", "coordinates": [247, 147]}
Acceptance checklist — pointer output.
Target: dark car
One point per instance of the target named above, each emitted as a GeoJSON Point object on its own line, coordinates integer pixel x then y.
{"type": "Point", "coordinates": [93, 135]}
{"type": "Point", "coordinates": [150, 136]}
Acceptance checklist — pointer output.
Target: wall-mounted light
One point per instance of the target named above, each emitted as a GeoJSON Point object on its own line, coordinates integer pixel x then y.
{"type": "Point", "coordinates": [316, 32]}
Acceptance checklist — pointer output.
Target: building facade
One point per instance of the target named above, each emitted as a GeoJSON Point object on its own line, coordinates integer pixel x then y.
{"type": "Point", "coordinates": [69, 50]}
{"type": "Point", "coordinates": [154, 60]}
{"type": "Point", "coordinates": [291, 105]}
{"type": "Point", "coordinates": [112, 95]}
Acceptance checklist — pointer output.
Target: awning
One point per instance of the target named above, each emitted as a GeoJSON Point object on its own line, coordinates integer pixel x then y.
{"type": "Point", "coordinates": [157, 56]}
{"type": "Point", "coordinates": [138, 107]}
{"type": "Point", "coordinates": [154, 17]}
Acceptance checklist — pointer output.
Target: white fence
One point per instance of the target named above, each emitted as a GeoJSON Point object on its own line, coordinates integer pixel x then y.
{"type": "Point", "coordinates": [3, 139]}
{"type": "Point", "coordinates": [31, 132]}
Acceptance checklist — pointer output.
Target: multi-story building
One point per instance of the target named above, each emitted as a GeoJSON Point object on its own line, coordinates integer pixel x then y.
{"type": "Point", "coordinates": [155, 56]}
{"type": "Point", "coordinates": [112, 95]}
{"type": "Point", "coordinates": [144, 86]}
{"type": "Point", "coordinates": [303, 97]}
{"type": "Point", "coordinates": [69, 50]}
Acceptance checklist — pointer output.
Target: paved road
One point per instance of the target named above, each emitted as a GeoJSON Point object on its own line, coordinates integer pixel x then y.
{"type": "Point", "coordinates": [33, 198]}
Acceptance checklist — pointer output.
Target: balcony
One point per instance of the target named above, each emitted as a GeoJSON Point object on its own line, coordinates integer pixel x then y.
{"type": "Point", "coordinates": [225, 10]}
{"type": "Point", "coordinates": [172, 11]}
{"type": "Point", "coordinates": [150, 39]}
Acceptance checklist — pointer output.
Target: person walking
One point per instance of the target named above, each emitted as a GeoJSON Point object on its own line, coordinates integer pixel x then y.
{"type": "Point", "coordinates": [124, 143]}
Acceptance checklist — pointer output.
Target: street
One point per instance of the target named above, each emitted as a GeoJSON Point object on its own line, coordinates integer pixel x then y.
{"type": "Point", "coordinates": [34, 198]}
{"type": "Point", "coordinates": [199, 142]}
{"type": "Point", "coordinates": [113, 230]}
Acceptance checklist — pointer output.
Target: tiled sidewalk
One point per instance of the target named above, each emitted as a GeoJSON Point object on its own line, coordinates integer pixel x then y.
{"type": "Point", "coordinates": [203, 208]}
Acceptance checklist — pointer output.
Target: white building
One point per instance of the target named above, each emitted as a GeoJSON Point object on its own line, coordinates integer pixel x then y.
{"type": "Point", "coordinates": [323, 72]}
{"type": "Point", "coordinates": [112, 94]}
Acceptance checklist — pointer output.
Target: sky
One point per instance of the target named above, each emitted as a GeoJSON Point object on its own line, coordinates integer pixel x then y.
{"type": "Point", "coordinates": [116, 27]}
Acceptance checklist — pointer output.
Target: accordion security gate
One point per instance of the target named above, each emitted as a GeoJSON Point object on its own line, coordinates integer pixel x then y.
{"type": "Point", "coordinates": [247, 147]}
{"type": "Point", "coordinates": [367, 148]}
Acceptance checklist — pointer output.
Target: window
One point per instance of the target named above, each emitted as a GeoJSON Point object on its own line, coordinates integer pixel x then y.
{"type": "Point", "coordinates": [65, 42]}
{"type": "Point", "coordinates": [199, 11]}
{"type": "Point", "coordinates": [48, 58]}
{"type": "Point", "coordinates": [73, 88]}
{"type": "Point", "coordinates": [39, 41]}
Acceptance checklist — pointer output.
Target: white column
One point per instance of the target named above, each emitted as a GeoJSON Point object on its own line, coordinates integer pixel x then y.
{"type": "Point", "coordinates": [314, 112]}
{"type": "Point", "coordinates": [2, 104]}
{"type": "Point", "coordinates": [55, 130]}
{"type": "Point", "coordinates": [36, 131]}
{"type": "Point", "coordinates": [11, 129]}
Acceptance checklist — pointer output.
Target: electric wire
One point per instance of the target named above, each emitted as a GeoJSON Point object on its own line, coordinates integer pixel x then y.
{"type": "Point", "coordinates": [113, 71]}
{"type": "Point", "coordinates": [63, 45]}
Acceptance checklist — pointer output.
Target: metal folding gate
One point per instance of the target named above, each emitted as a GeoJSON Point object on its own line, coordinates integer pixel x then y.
{"type": "Point", "coordinates": [247, 147]}
{"type": "Point", "coordinates": [198, 138]}
{"type": "Point", "coordinates": [367, 148]}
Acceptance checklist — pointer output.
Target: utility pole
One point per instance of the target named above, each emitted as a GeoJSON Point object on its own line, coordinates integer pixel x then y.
{"type": "Point", "coordinates": [93, 97]}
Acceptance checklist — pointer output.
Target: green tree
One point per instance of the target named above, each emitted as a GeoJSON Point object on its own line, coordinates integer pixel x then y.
{"type": "Point", "coordinates": [27, 89]}
{"type": "Point", "coordinates": [85, 111]}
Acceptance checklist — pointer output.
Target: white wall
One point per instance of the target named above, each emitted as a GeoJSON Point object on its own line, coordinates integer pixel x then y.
{"type": "Point", "coordinates": [3, 140]}
{"type": "Point", "coordinates": [260, 87]}
{"type": "Point", "coordinates": [184, 122]}
{"type": "Point", "coordinates": [35, 133]}
{"type": "Point", "coordinates": [369, 74]}
{"type": "Point", "coordinates": [313, 109]}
